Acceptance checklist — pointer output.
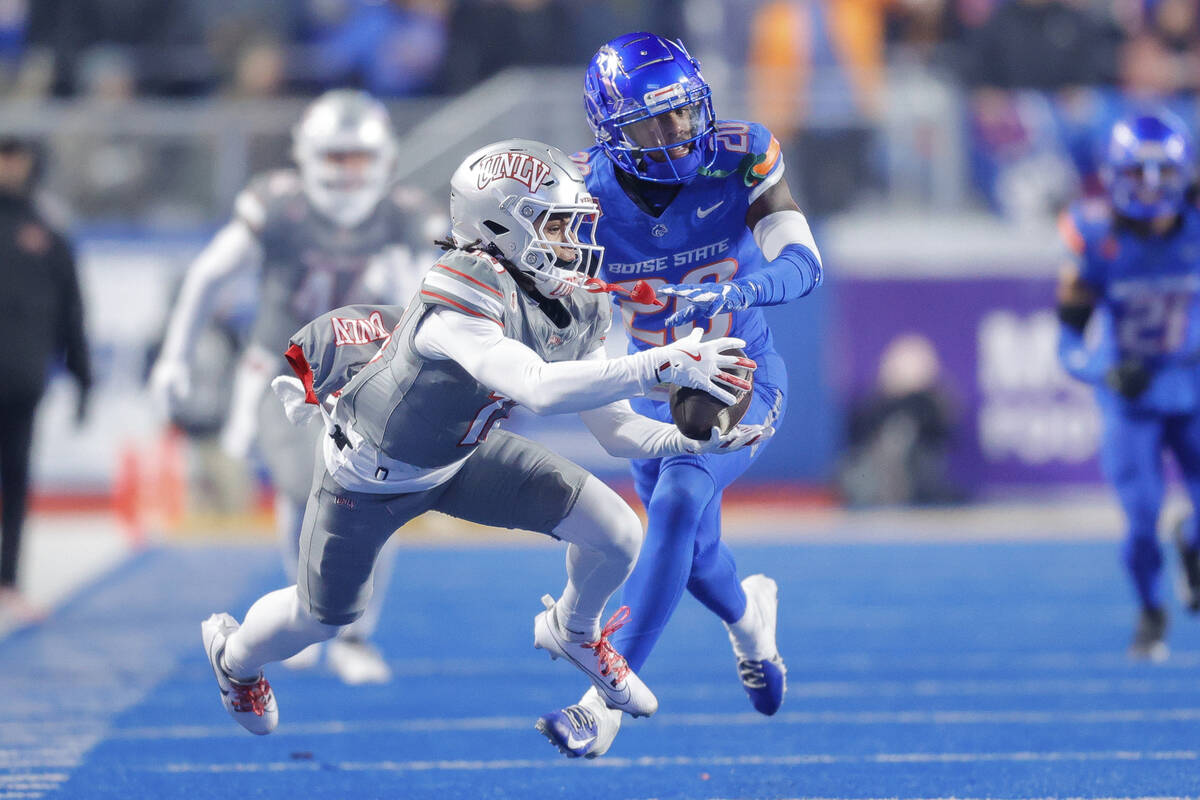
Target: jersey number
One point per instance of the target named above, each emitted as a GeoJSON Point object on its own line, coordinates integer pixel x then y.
{"type": "Point", "coordinates": [720, 325]}
{"type": "Point", "coordinates": [485, 418]}
{"type": "Point", "coordinates": [734, 135]}
{"type": "Point", "coordinates": [1154, 323]}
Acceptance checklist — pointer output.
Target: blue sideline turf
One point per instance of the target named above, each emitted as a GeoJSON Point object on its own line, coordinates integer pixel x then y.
{"type": "Point", "coordinates": [964, 670]}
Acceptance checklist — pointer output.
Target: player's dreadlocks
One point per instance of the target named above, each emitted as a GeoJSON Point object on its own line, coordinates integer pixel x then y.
{"type": "Point", "coordinates": [550, 307]}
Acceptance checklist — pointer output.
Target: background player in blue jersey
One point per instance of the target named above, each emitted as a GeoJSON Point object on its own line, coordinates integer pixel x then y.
{"type": "Point", "coordinates": [1136, 261]}
{"type": "Point", "coordinates": [699, 209]}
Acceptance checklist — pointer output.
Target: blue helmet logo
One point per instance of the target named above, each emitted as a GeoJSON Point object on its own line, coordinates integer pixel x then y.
{"type": "Point", "coordinates": [650, 108]}
{"type": "Point", "coordinates": [1149, 166]}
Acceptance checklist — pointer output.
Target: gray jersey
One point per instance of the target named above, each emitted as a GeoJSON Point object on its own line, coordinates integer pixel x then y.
{"type": "Point", "coordinates": [310, 265]}
{"type": "Point", "coordinates": [431, 412]}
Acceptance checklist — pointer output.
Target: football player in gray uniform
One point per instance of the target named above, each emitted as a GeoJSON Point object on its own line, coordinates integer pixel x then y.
{"type": "Point", "coordinates": [334, 231]}
{"type": "Point", "coordinates": [507, 316]}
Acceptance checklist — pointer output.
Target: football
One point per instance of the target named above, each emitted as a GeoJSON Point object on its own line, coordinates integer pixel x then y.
{"type": "Point", "coordinates": [696, 412]}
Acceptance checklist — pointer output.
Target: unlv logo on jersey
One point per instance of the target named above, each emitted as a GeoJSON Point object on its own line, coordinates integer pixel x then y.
{"type": "Point", "coordinates": [518, 166]}
{"type": "Point", "coordinates": [355, 330]}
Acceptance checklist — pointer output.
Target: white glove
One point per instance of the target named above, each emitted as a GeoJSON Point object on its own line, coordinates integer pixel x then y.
{"type": "Point", "coordinates": [696, 364]}
{"type": "Point", "coordinates": [738, 437]}
{"type": "Point", "coordinates": [170, 383]}
{"type": "Point", "coordinates": [290, 392]}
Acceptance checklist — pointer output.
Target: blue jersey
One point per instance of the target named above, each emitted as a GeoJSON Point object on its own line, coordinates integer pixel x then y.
{"type": "Point", "coordinates": [701, 236]}
{"type": "Point", "coordinates": [1149, 300]}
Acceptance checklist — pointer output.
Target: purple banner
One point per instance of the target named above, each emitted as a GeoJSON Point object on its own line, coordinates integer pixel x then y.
{"type": "Point", "coordinates": [1022, 422]}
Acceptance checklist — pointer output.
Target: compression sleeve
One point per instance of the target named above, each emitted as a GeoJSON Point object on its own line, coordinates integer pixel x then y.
{"type": "Point", "coordinates": [624, 433]}
{"type": "Point", "coordinates": [235, 247]}
{"type": "Point", "coordinates": [794, 263]}
{"type": "Point", "coordinates": [514, 370]}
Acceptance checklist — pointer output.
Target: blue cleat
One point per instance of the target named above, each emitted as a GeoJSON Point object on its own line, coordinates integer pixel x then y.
{"type": "Point", "coordinates": [586, 729]}
{"type": "Point", "coordinates": [759, 665]}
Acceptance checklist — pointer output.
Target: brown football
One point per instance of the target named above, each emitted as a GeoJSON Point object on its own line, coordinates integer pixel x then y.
{"type": "Point", "coordinates": [696, 412]}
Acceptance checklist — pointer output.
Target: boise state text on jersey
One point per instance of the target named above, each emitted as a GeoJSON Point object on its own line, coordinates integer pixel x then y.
{"type": "Point", "coordinates": [700, 236]}
{"type": "Point", "coordinates": [1149, 300]}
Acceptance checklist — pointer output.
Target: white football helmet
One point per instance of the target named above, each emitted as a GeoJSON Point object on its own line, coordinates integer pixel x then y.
{"type": "Point", "coordinates": [346, 150]}
{"type": "Point", "coordinates": [505, 194]}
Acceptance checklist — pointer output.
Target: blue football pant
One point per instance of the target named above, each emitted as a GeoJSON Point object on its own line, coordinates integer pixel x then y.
{"type": "Point", "coordinates": [1132, 458]}
{"type": "Point", "coordinates": [683, 547]}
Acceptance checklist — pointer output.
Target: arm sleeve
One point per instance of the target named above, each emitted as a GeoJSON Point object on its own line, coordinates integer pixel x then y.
{"type": "Point", "coordinates": [512, 369]}
{"type": "Point", "coordinates": [71, 327]}
{"type": "Point", "coordinates": [624, 433]}
{"type": "Point", "coordinates": [794, 268]}
{"type": "Point", "coordinates": [234, 248]}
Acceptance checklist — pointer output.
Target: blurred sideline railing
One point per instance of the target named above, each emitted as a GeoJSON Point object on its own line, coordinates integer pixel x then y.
{"type": "Point", "coordinates": [178, 164]}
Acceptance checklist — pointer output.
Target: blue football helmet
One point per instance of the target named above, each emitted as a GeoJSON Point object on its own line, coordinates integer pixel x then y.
{"type": "Point", "coordinates": [650, 108]}
{"type": "Point", "coordinates": [1150, 165]}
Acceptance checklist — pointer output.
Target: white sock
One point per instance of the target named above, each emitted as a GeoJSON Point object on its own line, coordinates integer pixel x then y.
{"type": "Point", "coordinates": [576, 627]}
{"type": "Point", "coordinates": [743, 633]}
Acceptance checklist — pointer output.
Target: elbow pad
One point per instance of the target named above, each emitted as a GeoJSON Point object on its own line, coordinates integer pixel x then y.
{"type": "Point", "coordinates": [1075, 315]}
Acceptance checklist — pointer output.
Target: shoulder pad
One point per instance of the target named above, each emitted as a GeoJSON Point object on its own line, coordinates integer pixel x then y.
{"type": "Point", "coordinates": [266, 197]}
{"type": "Point", "coordinates": [409, 199]}
{"type": "Point", "coordinates": [1085, 222]}
{"type": "Point", "coordinates": [747, 149]}
{"type": "Point", "coordinates": [415, 219]}
{"type": "Point", "coordinates": [474, 283]}
{"type": "Point", "coordinates": [328, 351]}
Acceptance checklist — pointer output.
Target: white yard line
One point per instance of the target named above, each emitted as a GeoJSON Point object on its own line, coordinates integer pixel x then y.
{"type": "Point", "coordinates": [797, 760]}
{"type": "Point", "coordinates": [522, 723]}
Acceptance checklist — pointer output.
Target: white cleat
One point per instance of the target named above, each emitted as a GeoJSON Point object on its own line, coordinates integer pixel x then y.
{"type": "Point", "coordinates": [357, 662]}
{"type": "Point", "coordinates": [585, 729]}
{"type": "Point", "coordinates": [307, 658]}
{"type": "Point", "coordinates": [760, 667]}
{"type": "Point", "coordinates": [605, 667]}
{"type": "Point", "coordinates": [250, 703]}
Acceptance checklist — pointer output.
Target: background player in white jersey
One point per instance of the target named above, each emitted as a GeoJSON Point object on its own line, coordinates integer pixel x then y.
{"type": "Point", "coordinates": [501, 319]}
{"type": "Point", "coordinates": [336, 230]}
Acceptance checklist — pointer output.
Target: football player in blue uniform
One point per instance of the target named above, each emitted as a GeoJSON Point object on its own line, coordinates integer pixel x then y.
{"type": "Point", "coordinates": [1135, 265]}
{"type": "Point", "coordinates": [698, 208]}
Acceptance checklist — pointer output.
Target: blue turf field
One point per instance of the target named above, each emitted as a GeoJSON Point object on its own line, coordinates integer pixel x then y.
{"type": "Point", "coordinates": [947, 670]}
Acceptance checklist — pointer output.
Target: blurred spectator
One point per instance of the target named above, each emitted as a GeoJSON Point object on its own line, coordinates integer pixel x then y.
{"type": "Point", "coordinates": [1042, 44]}
{"type": "Point", "coordinates": [14, 20]}
{"type": "Point", "coordinates": [924, 30]}
{"type": "Point", "coordinates": [492, 35]}
{"type": "Point", "coordinates": [108, 172]}
{"type": "Point", "coordinates": [159, 38]}
{"type": "Point", "coordinates": [1162, 56]}
{"type": "Point", "coordinates": [816, 78]}
{"type": "Point", "coordinates": [41, 320]}
{"type": "Point", "coordinates": [391, 48]}
{"type": "Point", "coordinates": [260, 70]}
{"type": "Point", "coordinates": [899, 435]}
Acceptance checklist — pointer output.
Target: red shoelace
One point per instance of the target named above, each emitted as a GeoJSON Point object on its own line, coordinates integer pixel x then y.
{"type": "Point", "coordinates": [610, 659]}
{"type": "Point", "coordinates": [251, 697]}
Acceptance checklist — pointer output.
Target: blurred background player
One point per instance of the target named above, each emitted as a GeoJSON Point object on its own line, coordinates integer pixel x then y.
{"type": "Point", "coordinates": [1136, 260]}
{"type": "Point", "coordinates": [502, 319]}
{"type": "Point", "coordinates": [41, 320]}
{"type": "Point", "coordinates": [699, 208]}
{"type": "Point", "coordinates": [334, 231]}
